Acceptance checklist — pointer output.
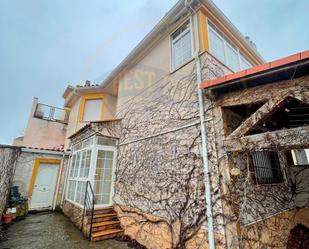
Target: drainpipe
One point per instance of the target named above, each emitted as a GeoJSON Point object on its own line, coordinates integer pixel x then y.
{"type": "Point", "coordinates": [66, 176]}
{"type": "Point", "coordinates": [211, 239]}
{"type": "Point", "coordinates": [58, 181]}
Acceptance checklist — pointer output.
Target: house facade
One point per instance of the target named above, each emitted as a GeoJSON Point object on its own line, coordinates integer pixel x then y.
{"type": "Point", "coordinates": [137, 146]}
{"type": "Point", "coordinates": [153, 97]}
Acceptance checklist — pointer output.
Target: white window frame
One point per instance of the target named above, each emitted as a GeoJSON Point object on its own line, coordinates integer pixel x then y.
{"type": "Point", "coordinates": [105, 148]}
{"type": "Point", "coordinates": [94, 147]}
{"type": "Point", "coordinates": [173, 40]}
{"type": "Point", "coordinates": [226, 42]}
{"type": "Point", "coordinates": [78, 178]}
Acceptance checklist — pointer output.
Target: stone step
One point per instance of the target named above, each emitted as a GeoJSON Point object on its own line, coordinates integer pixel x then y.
{"type": "Point", "coordinates": [106, 234]}
{"type": "Point", "coordinates": [106, 225]}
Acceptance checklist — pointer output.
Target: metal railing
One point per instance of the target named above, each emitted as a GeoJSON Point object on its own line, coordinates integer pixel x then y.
{"type": "Point", "coordinates": [51, 113]}
{"type": "Point", "coordinates": [88, 210]}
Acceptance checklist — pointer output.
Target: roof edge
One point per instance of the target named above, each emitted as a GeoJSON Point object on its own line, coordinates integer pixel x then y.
{"type": "Point", "coordinates": [255, 70]}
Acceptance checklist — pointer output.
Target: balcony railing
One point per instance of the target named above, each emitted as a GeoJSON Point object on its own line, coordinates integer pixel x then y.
{"type": "Point", "coordinates": [51, 113]}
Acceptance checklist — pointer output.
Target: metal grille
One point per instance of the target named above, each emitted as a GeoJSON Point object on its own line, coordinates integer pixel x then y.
{"type": "Point", "coordinates": [266, 167]}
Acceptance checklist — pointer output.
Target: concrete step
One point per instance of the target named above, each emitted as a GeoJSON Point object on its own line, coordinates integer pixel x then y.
{"type": "Point", "coordinates": [106, 225]}
{"type": "Point", "coordinates": [106, 234]}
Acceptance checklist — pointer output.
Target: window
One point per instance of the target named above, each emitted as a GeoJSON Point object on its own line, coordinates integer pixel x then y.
{"type": "Point", "coordinates": [266, 167]}
{"type": "Point", "coordinates": [244, 63]}
{"type": "Point", "coordinates": [106, 141]}
{"type": "Point", "coordinates": [301, 157]}
{"type": "Point", "coordinates": [225, 51]}
{"type": "Point", "coordinates": [181, 45]}
{"type": "Point", "coordinates": [79, 171]}
{"type": "Point", "coordinates": [92, 109]}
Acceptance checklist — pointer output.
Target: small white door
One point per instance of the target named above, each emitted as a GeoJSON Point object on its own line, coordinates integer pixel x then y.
{"type": "Point", "coordinates": [44, 187]}
{"type": "Point", "coordinates": [104, 176]}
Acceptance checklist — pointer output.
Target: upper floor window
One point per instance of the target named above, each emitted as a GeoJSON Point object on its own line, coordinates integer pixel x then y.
{"type": "Point", "coordinates": [181, 45]}
{"type": "Point", "coordinates": [225, 51]}
{"type": "Point", "coordinates": [92, 111]}
{"type": "Point", "coordinates": [91, 107]}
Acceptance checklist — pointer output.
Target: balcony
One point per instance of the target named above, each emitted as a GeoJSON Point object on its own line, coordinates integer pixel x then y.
{"type": "Point", "coordinates": [51, 113]}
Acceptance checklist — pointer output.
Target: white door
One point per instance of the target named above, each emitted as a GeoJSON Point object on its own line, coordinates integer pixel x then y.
{"type": "Point", "coordinates": [44, 187]}
{"type": "Point", "coordinates": [104, 176]}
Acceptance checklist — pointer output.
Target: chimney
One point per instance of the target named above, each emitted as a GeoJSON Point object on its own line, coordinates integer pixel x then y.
{"type": "Point", "coordinates": [252, 44]}
{"type": "Point", "coordinates": [88, 83]}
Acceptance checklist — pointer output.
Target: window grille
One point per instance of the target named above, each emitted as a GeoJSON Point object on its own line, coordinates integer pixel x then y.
{"type": "Point", "coordinates": [266, 167]}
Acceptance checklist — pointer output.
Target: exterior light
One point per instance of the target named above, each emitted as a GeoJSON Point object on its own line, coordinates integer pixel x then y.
{"type": "Point", "coordinates": [235, 172]}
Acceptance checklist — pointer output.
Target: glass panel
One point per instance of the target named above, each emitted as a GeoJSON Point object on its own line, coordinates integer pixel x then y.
{"type": "Point", "coordinates": [87, 165]}
{"type": "Point", "coordinates": [76, 168]}
{"type": "Point", "coordinates": [109, 154]}
{"type": "Point", "coordinates": [182, 50]}
{"type": "Point", "coordinates": [83, 189]}
{"type": "Point", "coordinates": [92, 111]}
{"type": "Point", "coordinates": [77, 146]}
{"type": "Point", "coordinates": [71, 191]}
{"type": "Point", "coordinates": [106, 141]}
{"type": "Point", "coordinates": [105, 198]}
{"type": "Point", "coordinates": [73, 165]}
{"type": "Point", "coordinates": [88, 142]}
{"type": "Point", "coordinates": [301, 157]}
{"type": "Point", "coordinates": [232, 58]}
{"type": "Point", "coordinates": [244, 64]}
{"type": "Point", "coordinates": [82, 164]}
{"type": "Point", "coordinates": [78, 192]}
{"type": "Point", "coordinates": [216, 46]}
{"type": "Point", "coordinates": [103, 176]}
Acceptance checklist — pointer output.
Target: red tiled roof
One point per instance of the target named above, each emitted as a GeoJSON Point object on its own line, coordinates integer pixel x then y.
{"type": "Point", "coordinates": [255, 70]}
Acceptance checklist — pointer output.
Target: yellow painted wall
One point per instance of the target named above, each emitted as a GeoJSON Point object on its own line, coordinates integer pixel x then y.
{"type": "Point", "coordinates": [76, 113]}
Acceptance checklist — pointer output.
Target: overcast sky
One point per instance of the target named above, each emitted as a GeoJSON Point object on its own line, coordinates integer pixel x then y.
{"type": "Point", "coordinates": [45, 45]}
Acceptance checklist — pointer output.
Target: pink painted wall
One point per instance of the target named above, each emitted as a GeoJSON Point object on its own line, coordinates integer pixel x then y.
{"type": "Point", "coordinates": [42, 133]}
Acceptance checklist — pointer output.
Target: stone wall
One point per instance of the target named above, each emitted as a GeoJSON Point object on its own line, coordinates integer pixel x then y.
{"type": "Point", "coordinates": [299, 179]}
{"type": "Point", "coordinates": [159, 172]}
{"type": "Point", "coordinates": [75, 214]}
{"type": "Point", "coordinates": [245, 202]}
{"type": "Point", "coordinates": [155, 232]}
{"type": "Point", "coordinates": [8, 157]}
{"type": "Point", "coordinates": [272, 232]}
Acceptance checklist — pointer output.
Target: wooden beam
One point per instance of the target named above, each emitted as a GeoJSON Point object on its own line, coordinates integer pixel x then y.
{"type": "Point", "coordinates": [261, 114]}
{"type": "Point", "coordinates": [284, 139]}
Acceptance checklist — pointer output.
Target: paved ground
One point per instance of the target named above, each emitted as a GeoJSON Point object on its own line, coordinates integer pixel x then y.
{"type": "Point", "coordinates": [50, 231]}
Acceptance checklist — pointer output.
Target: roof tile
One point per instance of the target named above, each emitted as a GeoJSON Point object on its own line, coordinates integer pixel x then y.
{"type": "Point", "coordinates": [256, 69]}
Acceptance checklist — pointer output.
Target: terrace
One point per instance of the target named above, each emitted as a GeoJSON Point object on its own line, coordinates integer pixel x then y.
{"type": "Point", "coordinates": [51, 113]}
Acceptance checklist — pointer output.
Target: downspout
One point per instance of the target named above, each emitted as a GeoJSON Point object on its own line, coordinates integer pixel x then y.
{"type": "Point", "coordinates": [58, 181]}
{"type": "Point", "coordinates": [211, 239]}
{"type": "Point", "coordinates": [66, 176]}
